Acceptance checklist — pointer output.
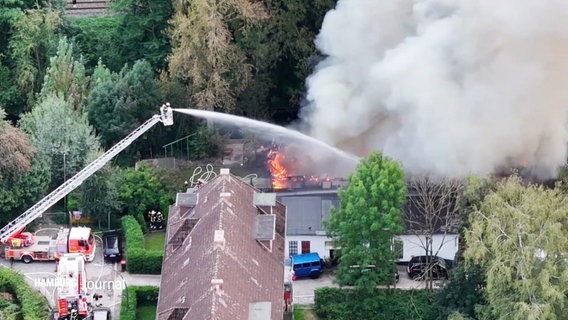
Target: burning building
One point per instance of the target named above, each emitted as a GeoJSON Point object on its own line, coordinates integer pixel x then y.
{"type": "Point", "coordinates": [292, 168]}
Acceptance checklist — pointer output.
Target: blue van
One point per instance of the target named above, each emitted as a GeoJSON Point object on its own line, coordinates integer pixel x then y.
{"type": "Point", "coordinates": [307, 265]}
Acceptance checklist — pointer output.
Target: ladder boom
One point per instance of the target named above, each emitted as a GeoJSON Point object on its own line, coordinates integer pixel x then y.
{"type": "Point", "coordinates": [37, 209]}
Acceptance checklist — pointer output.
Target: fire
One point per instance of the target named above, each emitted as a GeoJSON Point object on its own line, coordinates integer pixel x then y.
{"type": "Point", "coordinates": [277, 169]}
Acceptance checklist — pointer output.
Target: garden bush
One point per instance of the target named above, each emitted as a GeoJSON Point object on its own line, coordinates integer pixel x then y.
{"type": "Point", "coordinates": [145, 295]}
{"type": "Point", "coordinates": [31, 303]}
{"type": "Point", "coordinates": [351, 304]}
{"type": "Point", "coordinates": [138, 259]}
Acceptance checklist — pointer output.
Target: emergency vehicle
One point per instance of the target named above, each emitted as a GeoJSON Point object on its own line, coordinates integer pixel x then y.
{"type": "Point", "coordinates": [28, 247]}
{"type": "Point", "coordinates": [73, 300]}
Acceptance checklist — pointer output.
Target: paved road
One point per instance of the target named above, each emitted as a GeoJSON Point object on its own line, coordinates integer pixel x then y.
{"type": "Point", "coordinates": [105, 279]}
{"type": "Point", "coordinates": [304, 288]}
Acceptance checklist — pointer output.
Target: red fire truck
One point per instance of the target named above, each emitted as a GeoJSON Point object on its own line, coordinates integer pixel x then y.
{"type": "Point", "coordinates": [73, 300]}
{"type": "Point", "coordinates": [27, 247]}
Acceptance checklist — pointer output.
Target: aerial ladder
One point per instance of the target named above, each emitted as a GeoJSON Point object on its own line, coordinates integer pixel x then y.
{"type": "Point", "coordinates": [18, 224]}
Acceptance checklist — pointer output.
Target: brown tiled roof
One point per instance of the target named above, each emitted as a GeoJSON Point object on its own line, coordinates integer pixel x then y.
{"type": "Point", "coordinates": [194, 262]}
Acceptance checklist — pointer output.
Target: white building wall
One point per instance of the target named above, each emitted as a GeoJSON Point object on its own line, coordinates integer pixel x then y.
{"type": "Point", "coordinates": [444, 246]}
{"type": "Point", "coordinates": [317, 244]}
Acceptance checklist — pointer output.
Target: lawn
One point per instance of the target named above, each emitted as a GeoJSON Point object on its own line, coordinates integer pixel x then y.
{"type": "Point", "coordinates": [304, 313]}
{"type": "Point", "coordinates": [146, 313]}
{"type": "Point", "coordinates": [155, 240]}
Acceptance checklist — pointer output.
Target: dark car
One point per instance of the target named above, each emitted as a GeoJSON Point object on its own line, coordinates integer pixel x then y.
{"type": "Point", "coordinates": [112, 246]}
{"type": "Point", "coordinates": [419, 267]}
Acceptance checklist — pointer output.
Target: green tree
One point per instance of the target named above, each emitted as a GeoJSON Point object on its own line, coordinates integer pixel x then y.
{"type": "Point", "coordinates": [23, 173]}
{"type": "Point", "coordinates": [10, 97]}
{"type": "Point", "coordinates": [62, 134]}
{"type": "Point", "coordinates": [369, 218]}
{"type": "Point", "coordinates": [519, 234]}
{"type": "Point", "coordinates": [119, 103]}
{"type": "Point", "coordinates": [33, 39]}
{"type": "Point", "coordinates": [21, 191]}
{"type": "Point", "coordinates": [140, 191]}
{"type": "Point", "coordinates": [464, 294]}
{"type": "Point", "coordinates": [66, 77]}
{"type": "Point", "coordinates": [282, 51]}
{"type": "Point", "coordinates": [204, 54]}
{"type": "Point", "coordinates": [142, 31]}
{"type": "Point", "coordinates": [98, 196]}
{"type": "Point", "coordinates": [96, 38]}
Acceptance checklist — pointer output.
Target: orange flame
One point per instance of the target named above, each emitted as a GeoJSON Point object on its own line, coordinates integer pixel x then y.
{"type": "Point", "coordinates": [278, 172]}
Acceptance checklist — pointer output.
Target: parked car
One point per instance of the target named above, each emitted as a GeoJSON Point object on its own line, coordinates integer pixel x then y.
{"type": "Point", "coordinates": [307, 265]}
{"type": "Point", "coordinates": [419, 267]}
{"type": "Point", "coordinates": [112, 246]}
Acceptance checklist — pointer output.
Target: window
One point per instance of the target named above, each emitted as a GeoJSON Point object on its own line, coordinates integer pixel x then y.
{"type": "Point", "coordinates": [398, 248]}
{"type": "Point", "coordinates": [293, 248]}
{"type": "Point", "coordinates": [305, 247]}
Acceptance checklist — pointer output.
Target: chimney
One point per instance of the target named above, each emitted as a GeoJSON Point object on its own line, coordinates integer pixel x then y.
{"type": "Point", "coordinates": [219, 239]}
{"type": "Point", "coordinates": [217, 285]}
{"type": "Point", "coordinates": [224, 171]}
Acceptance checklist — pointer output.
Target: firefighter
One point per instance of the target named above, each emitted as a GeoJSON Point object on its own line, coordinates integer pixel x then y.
{"type": "Point", "coordinates": [152, 216]}
{"type": "Point", "coordinates": [159, 220]}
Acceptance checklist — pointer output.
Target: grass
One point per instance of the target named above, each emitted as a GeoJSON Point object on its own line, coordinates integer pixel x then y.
{"type": "Point", "coordinates": [146, 312]}
{"type": "Point", "coordinates": [302, 312]}
{"type": "Point", "coordinates": [155, 240]}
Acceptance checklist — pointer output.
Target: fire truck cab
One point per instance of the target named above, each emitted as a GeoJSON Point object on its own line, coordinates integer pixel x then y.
{"type": "Point", "coordinates": [81, 240]}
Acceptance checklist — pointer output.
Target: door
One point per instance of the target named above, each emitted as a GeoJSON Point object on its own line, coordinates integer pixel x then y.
{"type": "Point", "coordinates": [305, 247]}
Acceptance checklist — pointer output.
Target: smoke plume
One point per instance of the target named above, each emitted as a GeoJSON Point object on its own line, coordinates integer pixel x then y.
{"type": "Point", "coordinates": [448, 87]}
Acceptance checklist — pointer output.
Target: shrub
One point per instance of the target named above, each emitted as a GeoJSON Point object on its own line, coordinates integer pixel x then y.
{"type": "Point", "coordinates": [336, 303]}
{"type": "Point", "coordinates": [138, 259]}
{"type": "Point", "coordinates": [145, 295]}
{"type": "Point", "coordinates": [33, 305]}
{"type": "Point", "coordinates": [129, 304]}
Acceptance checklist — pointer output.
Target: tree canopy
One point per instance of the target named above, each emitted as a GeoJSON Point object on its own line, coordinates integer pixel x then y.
{"type": "Point", "coordinates": [369, 218]}
{"type": "Point", "coordinates": [15, 149]}
{"type": "Point", "coordinates": [519, 234]}
{"type": "Point", "coordinates": [66, 76]}
{"type": "Point", "coordinates": [62, 134]}
{"type": "Point", "coordinates": [204, 53]}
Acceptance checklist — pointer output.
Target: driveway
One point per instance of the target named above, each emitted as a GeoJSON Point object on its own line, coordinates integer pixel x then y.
{"type": "Point", "coordinates": [105, 279]}
{"type": "Point", "coordinates": [304, 288]}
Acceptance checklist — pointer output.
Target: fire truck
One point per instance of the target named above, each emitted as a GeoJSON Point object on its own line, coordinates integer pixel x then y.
{"type": "Point", "coordinates": [27, 247]}
{"type": "Point", "coordinates": [72, 299]}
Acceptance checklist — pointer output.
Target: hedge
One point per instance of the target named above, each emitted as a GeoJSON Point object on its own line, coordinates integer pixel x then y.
{"type": "Point", "coordinates": [138, 259]}
{"type": "Point", "coordinates": [351, 304]}
{"type": "Point", "coordinates": [145, 295]}
{"type": "Point", "coordinates": [32, 303]}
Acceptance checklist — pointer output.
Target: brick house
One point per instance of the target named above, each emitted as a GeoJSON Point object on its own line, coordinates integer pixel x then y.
{"type": "Point", "coordinates": [224, 255]}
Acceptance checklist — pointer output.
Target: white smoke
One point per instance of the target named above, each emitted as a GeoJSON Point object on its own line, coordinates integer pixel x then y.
{"type": "Point", "coordinates": [449, 87]}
